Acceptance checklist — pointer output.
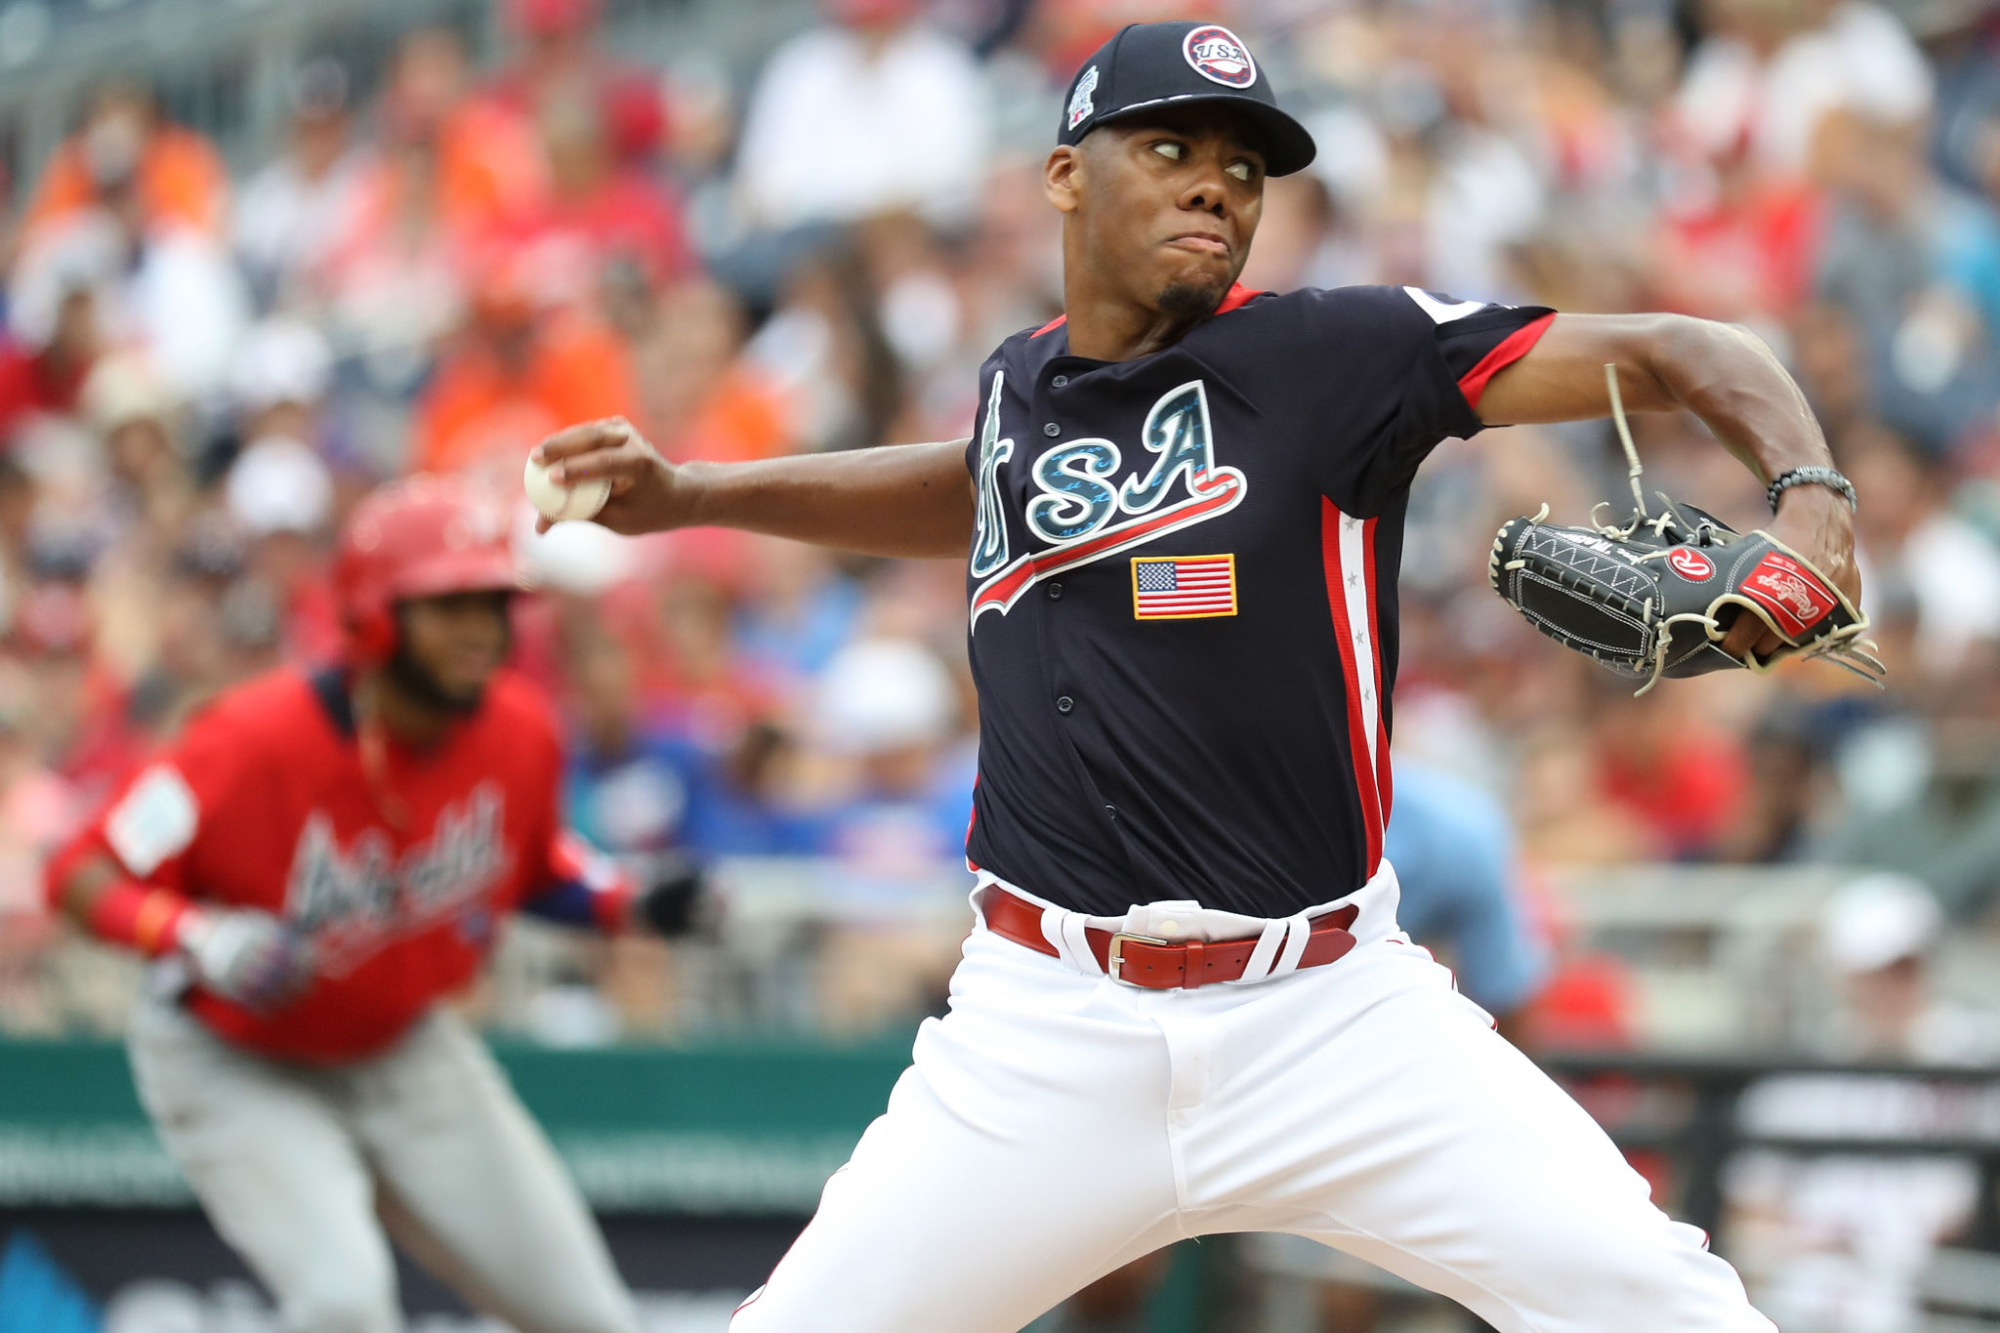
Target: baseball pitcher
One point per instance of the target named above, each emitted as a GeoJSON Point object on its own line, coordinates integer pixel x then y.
{"type": "Point", "coordinates": [1187, 1007]}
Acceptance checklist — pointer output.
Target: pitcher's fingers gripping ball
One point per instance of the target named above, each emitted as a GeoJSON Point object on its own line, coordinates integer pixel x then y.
{"type": "Point", "coordinates": [556, 502]}
{"type": "Point", "coordinates": [604, 471]}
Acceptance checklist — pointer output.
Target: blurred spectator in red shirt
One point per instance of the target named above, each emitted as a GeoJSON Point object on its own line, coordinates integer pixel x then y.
{"type": "Point", "coordinates": [1682, 779]}
{"type": "Point", "coordinates": [1737, 244]}
{"type": "Point", "coordinates": [559, 57]}
{"type": "Point", "coordinates": [600, 221]}
{"type": "Point", "coordinates": [174, 172]}
{"type": "Point", "coordinates": [45, 378]}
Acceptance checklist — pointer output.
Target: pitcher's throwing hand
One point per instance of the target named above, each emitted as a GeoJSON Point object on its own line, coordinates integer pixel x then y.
{"type": "Point", "coordinates": [645, 496]}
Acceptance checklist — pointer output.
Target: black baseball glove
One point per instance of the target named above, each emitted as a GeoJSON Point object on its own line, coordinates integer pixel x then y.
{"type": "Point", "coordinates": [1655, 597]}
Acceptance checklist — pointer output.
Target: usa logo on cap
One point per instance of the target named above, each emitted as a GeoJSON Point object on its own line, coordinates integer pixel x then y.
{"type": "Point", "coordinates": [1218, 56]}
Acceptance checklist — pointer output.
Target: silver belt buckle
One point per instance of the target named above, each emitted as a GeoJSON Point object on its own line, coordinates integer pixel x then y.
{"type": "Point", "coordinates": [1114, 956]}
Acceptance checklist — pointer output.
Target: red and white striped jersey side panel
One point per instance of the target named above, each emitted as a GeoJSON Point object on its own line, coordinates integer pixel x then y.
{"type": "Point", "coordinates": [1347, 553]}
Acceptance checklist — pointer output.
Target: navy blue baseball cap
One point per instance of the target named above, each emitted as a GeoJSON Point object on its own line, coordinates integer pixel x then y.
{"type": "Point", "coordinates": [1151, 65]}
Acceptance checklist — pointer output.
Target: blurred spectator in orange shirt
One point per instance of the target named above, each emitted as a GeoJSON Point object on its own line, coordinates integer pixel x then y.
{"type": "Point", "coordinates": [600, 221]}
{"type": "Point", "coordinates": [489, 169]}
{"type": "Point", "coordinates": [701, 397]}
{"type": "Point", "coordinates": [124, 137]}
{"type": "Point", "coordinates": [513, 375]}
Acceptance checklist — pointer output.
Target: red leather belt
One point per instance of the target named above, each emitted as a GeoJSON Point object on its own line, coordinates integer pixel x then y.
{"type": "Point", "coordinates": [1156, 964]}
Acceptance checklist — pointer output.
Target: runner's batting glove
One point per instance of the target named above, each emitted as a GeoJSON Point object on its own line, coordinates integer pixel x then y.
{"type": "Point", "coordinates": [1656, 596]}
{"type": "Point", "coordinates": [251, 958]}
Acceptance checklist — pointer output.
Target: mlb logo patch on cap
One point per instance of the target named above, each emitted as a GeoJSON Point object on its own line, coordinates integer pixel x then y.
{"type": "Point", "coordinates": [1215, 53]}
{"type": "Point", "coordinates": [1079, 101]}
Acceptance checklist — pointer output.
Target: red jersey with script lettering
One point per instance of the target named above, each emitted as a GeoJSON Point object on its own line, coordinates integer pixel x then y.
{"type": "Point", "coordinates": [263, 802]}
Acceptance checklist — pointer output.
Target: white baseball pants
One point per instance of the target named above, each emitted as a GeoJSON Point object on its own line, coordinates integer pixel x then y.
{"type": "Point", "coordinates": [302, 1169]}
{"type": "Point", "coordinates": [1058, 1124]}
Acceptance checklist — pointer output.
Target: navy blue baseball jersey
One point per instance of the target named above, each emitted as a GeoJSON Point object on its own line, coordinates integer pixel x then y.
{"type": "Point", "coordinates": [1183, 593]}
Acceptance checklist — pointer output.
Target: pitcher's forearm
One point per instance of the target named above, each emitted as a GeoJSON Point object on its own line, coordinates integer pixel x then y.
{"type": "Point", "coordinates": [1722, 373]}
{"type": "Point", "coordinates": [1732, 381]}
{"type": "Point", "coordinates": [911, 500]}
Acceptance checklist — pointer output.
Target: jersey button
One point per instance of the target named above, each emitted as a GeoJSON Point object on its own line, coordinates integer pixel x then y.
{"type": "Point", "coordinates": [1060, 381]}
{"type": "Point", "coordinates": [1055, 592]}
{"type": "Point", "coordinates": [1065, 704]}
{"type": "Point", "coordinates": [1051, 428]}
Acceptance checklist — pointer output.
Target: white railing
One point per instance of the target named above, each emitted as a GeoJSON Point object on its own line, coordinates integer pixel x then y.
{"type": "Point", "coordinates": [1718, 959]}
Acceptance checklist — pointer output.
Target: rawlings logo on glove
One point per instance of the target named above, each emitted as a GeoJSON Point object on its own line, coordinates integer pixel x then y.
{"type": "Point", "coordinates": [1656, 596]}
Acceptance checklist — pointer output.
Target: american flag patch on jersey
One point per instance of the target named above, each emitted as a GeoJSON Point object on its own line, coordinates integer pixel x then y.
{"type": "Point", "coordinates": [1183, 587]}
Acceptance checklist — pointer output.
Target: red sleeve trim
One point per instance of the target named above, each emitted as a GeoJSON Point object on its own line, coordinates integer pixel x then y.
{"type": "Point", "coordinates": [1511, 349]}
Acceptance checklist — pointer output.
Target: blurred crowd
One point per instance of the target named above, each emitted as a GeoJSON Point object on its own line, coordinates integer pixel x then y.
{"type": "Point", "coordinates": [203, 366]}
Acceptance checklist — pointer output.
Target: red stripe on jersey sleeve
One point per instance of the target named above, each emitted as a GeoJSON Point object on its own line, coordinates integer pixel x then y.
{"type": "Point", "coordinates": [1511, 349]}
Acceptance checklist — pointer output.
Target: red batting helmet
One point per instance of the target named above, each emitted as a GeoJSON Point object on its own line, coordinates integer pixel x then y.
{"type": "Point", "coordinates": [424, 536]}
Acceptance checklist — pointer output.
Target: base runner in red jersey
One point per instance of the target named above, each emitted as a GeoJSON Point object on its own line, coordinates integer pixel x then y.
{"type": "Point", "coordinates": [316, 863]}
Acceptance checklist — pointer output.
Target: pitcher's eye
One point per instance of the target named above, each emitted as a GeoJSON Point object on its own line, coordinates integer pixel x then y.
{"type": "Point", "coordinates": [1171, 151]}
{"type": "Point", "coordinates": [1240, 170]}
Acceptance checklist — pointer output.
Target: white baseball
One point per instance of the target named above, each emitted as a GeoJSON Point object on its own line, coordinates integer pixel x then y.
{"type": "Point", "coordinates": [557, 503]}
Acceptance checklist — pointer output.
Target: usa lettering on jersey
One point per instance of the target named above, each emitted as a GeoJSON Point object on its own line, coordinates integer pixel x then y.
{"type": "Point", "coordinates": [1084, 513]}
{"type": "Point", "coordinates": [354, 901]}
{"type": "Point", "coordinates": [989, 525]}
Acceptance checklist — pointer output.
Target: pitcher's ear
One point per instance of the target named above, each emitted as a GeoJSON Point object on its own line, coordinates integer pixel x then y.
{"type": "Point", "coordinates": [1062, 177]}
